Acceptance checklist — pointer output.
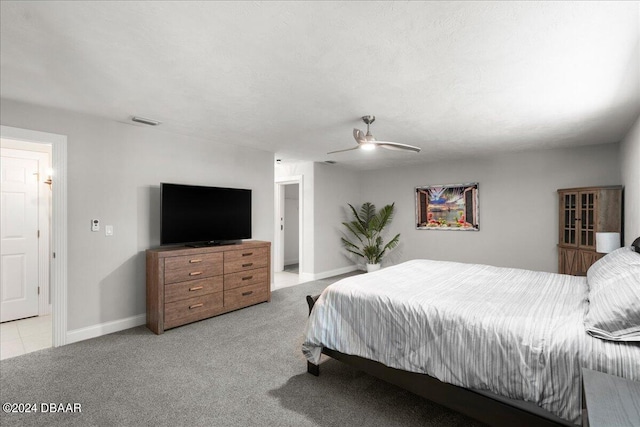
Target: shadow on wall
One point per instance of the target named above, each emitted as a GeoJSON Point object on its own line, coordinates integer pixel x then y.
{"type": "Point", "coordinates": [123, 291]}
{"type": "Point", "coordinates": [148, 217]}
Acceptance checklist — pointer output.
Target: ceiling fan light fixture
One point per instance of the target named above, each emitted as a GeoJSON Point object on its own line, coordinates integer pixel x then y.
{"type": "Point", "coordinates": [367, 142]}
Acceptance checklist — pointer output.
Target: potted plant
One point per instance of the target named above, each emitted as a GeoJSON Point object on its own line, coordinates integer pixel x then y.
{"type": "Point", "coordinates": [367, 227]}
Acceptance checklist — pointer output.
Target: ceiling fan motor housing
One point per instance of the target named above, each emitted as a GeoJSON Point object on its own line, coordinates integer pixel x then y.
{"type": "Point", "coordinates": [368, 119]}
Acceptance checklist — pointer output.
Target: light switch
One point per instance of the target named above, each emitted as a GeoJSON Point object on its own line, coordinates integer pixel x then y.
{"type": "Point", "coordinates": [95, 225]}
{"type": "Point", "coordinates": [108, 230]}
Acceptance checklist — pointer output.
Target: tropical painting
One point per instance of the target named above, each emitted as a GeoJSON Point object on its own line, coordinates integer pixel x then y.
{"type": "Point", "coordinates": [447, 207]}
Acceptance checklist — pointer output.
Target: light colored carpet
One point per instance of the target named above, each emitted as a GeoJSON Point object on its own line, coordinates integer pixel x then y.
{"type": "Point", "coordinates": [243, 368]}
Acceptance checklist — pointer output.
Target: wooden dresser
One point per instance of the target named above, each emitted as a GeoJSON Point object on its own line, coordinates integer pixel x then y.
{"type": "Point", "coordinates": [185, 285]}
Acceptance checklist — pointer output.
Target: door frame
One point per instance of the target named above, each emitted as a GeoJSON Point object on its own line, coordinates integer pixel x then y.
{"type": "Point", "coordinates": [279, 205]}
{"type": "Point", "coordinates": [58, 258]}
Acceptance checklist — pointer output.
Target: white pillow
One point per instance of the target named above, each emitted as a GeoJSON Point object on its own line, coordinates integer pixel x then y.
{"type": "Point", "coordinates": [614, 296]}
{"type": "Point", "coordinates": [615, 262]}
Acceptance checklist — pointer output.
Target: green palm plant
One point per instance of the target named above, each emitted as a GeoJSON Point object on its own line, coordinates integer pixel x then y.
{"type": "Point", "coordinates": [367, 227]}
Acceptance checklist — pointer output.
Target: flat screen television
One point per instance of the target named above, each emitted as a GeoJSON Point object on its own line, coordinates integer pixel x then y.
{"type": "Point", "coordinates": [196, 215]}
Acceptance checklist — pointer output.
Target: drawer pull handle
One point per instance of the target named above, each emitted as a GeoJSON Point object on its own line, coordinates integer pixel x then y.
{"type": "Point", "coordinates": [247, 265]}
{"type": "Point", "coordinates": [248, 254]}
{"type": "Point", "coordinates": [196, 288]}
{"type": "Point", "coordinates": [193, 261]}
{"type": "Point", "coordinates": [191, 307]}
{"type": "Point", "coordinates": [244, 294]}
{"type": "Point", "coordinates": [195, 273]}
{"type": "Point", "coordinates": [247, 278]}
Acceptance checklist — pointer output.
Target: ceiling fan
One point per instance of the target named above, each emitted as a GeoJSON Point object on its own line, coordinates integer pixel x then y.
{"type": "Point", "coordinates": [368, 142]}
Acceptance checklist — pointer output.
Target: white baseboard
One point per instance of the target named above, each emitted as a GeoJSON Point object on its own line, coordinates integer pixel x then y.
{"type": "Point", "coordinates": [308, 277]}
{"type": "Point", "coordinates": [105, 328]}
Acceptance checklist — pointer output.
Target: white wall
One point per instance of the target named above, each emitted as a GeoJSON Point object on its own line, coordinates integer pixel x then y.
{"type": "Point", "coordinates": [630, 169]}
{"type": "Point", "coordinates": [518, 204]}
{"type": "Point", "coordinates": [291, 224]}
{"type": "Point", "coordinates": [114, 172]}
{"type": "Point", "coordinates": [335, 187]}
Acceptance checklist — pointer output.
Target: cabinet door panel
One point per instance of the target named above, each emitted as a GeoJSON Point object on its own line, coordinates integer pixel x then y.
{"type": "Point", "coordinates": [569, 263]}
{"type": "Point", "coordinates": [587, 259]}
{"type": "Point", "coordinates": [587, 220]}
{"type": "Point", "coordinates": [568, 217]}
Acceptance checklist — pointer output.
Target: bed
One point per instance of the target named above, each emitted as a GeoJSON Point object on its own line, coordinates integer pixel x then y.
{"type": "Point", "coordinates": [502, 345]}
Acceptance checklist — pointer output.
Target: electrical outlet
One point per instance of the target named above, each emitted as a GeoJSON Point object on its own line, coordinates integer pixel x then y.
{"type": "Point", "coordinates": [108, 230]}
{"type": "Point", "coordinates": [95, 225]}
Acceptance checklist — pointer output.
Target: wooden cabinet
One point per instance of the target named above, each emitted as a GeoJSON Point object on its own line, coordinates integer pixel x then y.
{"type": "Point", "coordinates": [185, 285]}
{"type": "Point", "coordinates": [583, 213]}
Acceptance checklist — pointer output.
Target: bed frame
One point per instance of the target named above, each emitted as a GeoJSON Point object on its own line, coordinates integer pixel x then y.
{"type": "Point", "coordinates": [488, 408]}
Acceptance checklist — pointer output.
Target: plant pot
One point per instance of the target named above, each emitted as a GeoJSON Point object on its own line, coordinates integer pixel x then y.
{"type": "Point", "coordinates": [373, 267]}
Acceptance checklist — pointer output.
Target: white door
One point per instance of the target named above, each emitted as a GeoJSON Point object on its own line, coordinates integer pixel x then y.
{"type": "Point", "coordinates": [278, 265]}
{"type": "Point", "coordinates": [18, 236]}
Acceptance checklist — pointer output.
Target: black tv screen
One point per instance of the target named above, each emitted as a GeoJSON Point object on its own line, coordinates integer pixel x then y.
{"type": "Point", "coordinates": [192, 214]}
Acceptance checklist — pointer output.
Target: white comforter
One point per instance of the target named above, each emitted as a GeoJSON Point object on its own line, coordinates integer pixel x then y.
{"type": "Point", "coordinates": [517, 333]}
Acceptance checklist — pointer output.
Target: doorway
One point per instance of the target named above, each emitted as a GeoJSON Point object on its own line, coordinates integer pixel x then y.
{"type": "Point", "coordinates": [25, 188]}
{"type": "Point", "coordinates": [288, 233]}
{"type": "Point", "coordinates": [291, 229]}
{"type": "Point", "coordinates": [55, 251]}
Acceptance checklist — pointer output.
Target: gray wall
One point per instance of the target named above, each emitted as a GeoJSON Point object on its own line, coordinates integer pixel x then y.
{"type": "Point", "coordinates": [114, 172]}
{"type": "Point", "coordinates": [518, 207]}
{"type": "Point", "coordinates": [630, 168]}
{"type": "Point", "coordinates": [334, 188]}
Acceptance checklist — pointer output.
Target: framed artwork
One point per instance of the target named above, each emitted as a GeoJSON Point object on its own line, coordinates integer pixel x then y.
{"type": "Point", "coordinates": [451, 207]}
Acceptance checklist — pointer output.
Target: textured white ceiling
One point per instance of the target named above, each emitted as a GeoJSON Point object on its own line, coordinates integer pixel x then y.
{"type": "Point", "coordinates": [455, 78]}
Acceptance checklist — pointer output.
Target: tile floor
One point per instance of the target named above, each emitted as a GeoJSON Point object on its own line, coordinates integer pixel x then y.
{"type": "Point", "coordinates": [284, 279]}
{"type": "Point", "coordinates": [292, 268]}
{"type": "Point", "coordinates": [24, 336]}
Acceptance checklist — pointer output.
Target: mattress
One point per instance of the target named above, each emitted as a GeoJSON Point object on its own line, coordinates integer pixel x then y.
{"type": "Point", "coordinates": [516, 333]}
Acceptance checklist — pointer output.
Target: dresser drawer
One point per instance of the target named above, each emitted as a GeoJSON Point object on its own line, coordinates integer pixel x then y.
{"type": "Point", "coordinates": [246, 278]}
{"type": "Point", "coordinates": [189, 310]}
{"type": "Point", "coordinates": [247, 259]}
{"type": "Point", "coordinates": [183, 268]}
{"type": "Point", "coordinates": [192, 288]}
{"type": "Point", "coordinates": [246, 295]}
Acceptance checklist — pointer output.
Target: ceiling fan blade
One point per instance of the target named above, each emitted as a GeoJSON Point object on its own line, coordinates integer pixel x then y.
{"type": "Point", "coordinates": [396, 146]}
{"type": "Point", "coordinates": [359, 136]}
{"type": "Point", "coordinates": [340, 151]}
